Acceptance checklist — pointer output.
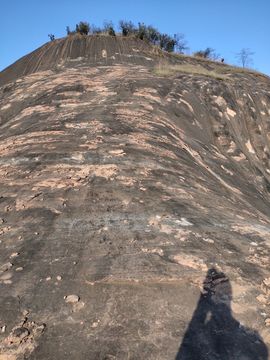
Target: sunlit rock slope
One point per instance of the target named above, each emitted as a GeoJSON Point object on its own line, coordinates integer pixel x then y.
{"type": "Point", "coordinates": [139, 183]}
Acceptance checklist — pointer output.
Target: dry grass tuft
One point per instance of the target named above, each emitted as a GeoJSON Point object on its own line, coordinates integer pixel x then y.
{"type": "Point", "coordinates": [166, 69]}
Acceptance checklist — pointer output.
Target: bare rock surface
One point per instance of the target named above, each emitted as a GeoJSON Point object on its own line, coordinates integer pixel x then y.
{"type": "Point", "coordinates": [149, 194]}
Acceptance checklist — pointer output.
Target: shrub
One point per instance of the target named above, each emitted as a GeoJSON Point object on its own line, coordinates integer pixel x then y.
{"type": "Point", "coordinates": [208, 53]}
{"type": "Point", "coordinates": [153, 35]}
{"type": "Point", "coordinates": [70, 32]}
{"type": "Point", "coordinates": [52, 37]}
{"type": "Point", "coordinates": [141, 33]}
{"type": "Point", "coordinates": [83, 28]}
{"type": "Point", "coordinates": [127, 27]}
{"type": "Point", "coordinates": [96, 30]}
{"type": "Point", "coordinates": [166, 42]}
{"type": "Point", "coordinates": [109, 28]}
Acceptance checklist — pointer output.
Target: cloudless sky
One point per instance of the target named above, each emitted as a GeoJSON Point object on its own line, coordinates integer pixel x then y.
{"type": "Point", "coordinates": [225, 25]}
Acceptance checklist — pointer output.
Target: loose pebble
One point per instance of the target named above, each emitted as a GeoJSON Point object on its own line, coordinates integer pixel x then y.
{"type": "Point", "coordinates": [48, 278]}
{"type": "Point", "coordinates": [267, 322]}
{"type": "Point", "coordinates": [59, 278]}
{"type": "Point", "coordinates": [19, 268]}
{"type": "Point", "coordinates": [6, 267]}
{"type": "Point", "coordinates": [210, 241]}
{"type": "Point", "coordinates": [7, 282]}
{"type": "Point", "coordinates": [3, 329]}
{"type": "Point", "coordinates": [15, 254]}
{"type": "Point", "coordinates": [71, 299]}
{"type": "Point", "coordinates": [6, 276]}
{"type": "Point", "coordinates": [95, 324]}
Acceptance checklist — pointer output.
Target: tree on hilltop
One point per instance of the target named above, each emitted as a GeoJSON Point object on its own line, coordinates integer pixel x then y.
{"type": "Point", "coordinates": [52, 37]}
{"type": "Point", "coordinates": [127, 27]}
{"type": "Point", "coordinates": [153, 35]}
{"type": "Point", "coordinates": [166, 42]}
{"type": "Point", "coordinates": [83, 28]}
{"type": "Point", "coordinates": [181, 43]}
{"type": "Point", "coordinates": [108, 28]}
{"type": "Point", "coordinates": [142, 31]}
{"type": "Point", "coordinates": [245, 57]}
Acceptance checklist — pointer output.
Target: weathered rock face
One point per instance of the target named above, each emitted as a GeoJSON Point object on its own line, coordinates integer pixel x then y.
{"type": "Point", "coordinates": [134, 207]}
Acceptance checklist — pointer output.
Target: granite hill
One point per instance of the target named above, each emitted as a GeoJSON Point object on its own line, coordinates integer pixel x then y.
{"type": "Point", "coordinates": [135, 205]}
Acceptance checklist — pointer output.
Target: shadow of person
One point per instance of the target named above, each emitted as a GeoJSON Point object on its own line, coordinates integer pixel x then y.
{"type": "Point", "coordinates": [213, 333]}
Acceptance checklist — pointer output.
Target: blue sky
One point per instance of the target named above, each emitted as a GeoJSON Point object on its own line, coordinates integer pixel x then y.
{"type": "Point", "coordinates": [225, 25]}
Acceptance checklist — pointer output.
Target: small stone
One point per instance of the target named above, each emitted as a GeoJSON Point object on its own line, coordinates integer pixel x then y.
{"type": "Point", "coordinates": [3, 329]}
{"type": "Point", "coordinates": [7, 282]}
{"type": "Point", "coordinates": [19, 268]}
{"type": "Point", "coordinates": [15, 254]}
{"type": "Point", "coordinates": [25, 312]}
{"type": "Point", "coordinates": [36, 233]}
{"type": "Point", "coordinates": [6, 276]}
{"type": "Point", "coordinates": [72, 299]}
{"type": "Point", "coordinates": [95, 324]}
{"type": "Point", "coordinates": [2, 221]}
{"type": "Point", "coordinates": [58, 277]}
{"type": "Point", "coordinates": [6, 267]}
{"type": "Point", "coordinates": [210, 241]}
{"type": "Point", "coordinates": [40, 328]}
{"type": "Point", "coordinates": [267, 322]}
{"type": "Point", "coordinates": [20, 237]}
{"type": "Point", "coordinates": [48, 278]}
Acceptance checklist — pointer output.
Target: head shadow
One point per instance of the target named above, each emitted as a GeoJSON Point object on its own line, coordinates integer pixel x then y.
{"type": "Point", "coordinates": [213, 333]}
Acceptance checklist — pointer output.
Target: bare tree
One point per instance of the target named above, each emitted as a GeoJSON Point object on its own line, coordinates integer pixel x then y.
{"type": "Point", "coordinates": [52, 37]}
{"type": "Point", "coordinates": [181, 43]}
{"type": "Point", "coordinates": [108, 28]}
{"type": "Point", "coordinates": [244, 57]}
